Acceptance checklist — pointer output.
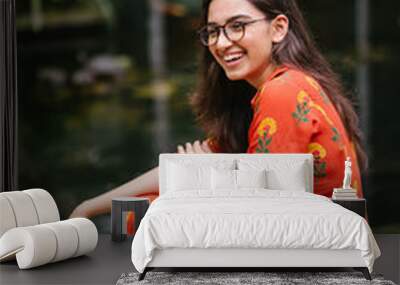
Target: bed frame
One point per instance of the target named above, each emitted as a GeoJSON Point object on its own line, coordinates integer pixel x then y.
{"type": "Point", "coordinates": [242, 259]}
{"type": "Point", "coordinates": [249, 258]}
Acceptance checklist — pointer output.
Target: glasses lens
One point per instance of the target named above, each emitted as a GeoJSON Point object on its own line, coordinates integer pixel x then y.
{"type": "Point", "coordinates": [209, 35]}
{"type": "Point", "coordinates": [235, 30]}
{"type": "Point", "coordinates": [203, 34]}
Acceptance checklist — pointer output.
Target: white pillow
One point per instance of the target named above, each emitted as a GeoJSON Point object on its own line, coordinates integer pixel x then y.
{"type": "Point", "coordinates": [223, 179]}
{"type": "Point", "coordinates": [281, 174]}
{"type": "Point", "coordinates": [290, 179]}
{"type": "Point", "coordinates": [181, 177]}
{"type": "Point", "coordinates": [227, 179]}
{"type": "Point", "coordinates": [251, 178]}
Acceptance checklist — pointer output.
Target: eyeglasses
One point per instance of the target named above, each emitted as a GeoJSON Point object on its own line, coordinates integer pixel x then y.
{"type": "Point", "coordinates": [233, 31]}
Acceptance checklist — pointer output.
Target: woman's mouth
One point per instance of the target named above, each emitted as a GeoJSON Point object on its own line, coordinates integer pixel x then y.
{"type": "Point", "coordinates": [233, 58]}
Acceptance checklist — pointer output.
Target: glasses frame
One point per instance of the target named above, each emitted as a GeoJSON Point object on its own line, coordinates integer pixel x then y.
{"type": "Point", "coordinates": [223, 28]}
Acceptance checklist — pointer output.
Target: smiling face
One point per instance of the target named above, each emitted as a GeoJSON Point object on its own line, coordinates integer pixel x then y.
{"type": "Point", "coordinates": [249, 58]}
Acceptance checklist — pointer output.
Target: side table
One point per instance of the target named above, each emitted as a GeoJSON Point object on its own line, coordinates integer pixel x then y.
{"type": "Point", "coordinates": [358, 206]}
{"type": "Point", "coordinates": [126, 214]}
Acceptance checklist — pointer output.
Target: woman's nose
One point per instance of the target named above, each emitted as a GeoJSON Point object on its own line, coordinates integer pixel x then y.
{"type": "Point", "coordinates": [223, 42]}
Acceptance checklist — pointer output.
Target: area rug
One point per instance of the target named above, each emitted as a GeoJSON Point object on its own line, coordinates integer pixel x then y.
{"type": "Point", "coordinates": [243, 278]}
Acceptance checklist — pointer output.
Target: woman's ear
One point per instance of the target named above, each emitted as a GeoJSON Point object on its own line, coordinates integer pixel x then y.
{"type": "Point", "coordinates": [280, 28]}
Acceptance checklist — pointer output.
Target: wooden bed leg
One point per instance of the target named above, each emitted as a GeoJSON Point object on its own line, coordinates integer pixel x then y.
{"type": "Point", "coordinates": [143, 274]}
{"type": "Point", "coordinates": [364, 271]}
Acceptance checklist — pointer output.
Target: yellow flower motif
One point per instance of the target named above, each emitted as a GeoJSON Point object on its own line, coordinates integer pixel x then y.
{"type": "Point", "coordinates": [313, 83]}
{"type": "Point", "coordinates": [267, 122]}
{"type": "Point", "coordinates": [317, 150]}
{"type": "Point", "coordinates": [303, 96]}
{"type": "Point", "coordinates": [322, 111]}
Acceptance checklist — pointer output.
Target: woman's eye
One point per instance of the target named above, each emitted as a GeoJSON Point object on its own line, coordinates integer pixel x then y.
{"type": "Point", "coordinates": [212, 32]}
{"type": "Point", "coordinates": [236, 25]}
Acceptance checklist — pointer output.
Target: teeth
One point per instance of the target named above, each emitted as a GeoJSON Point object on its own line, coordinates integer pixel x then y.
{"type": "Point", "coordinates": [232, 57]}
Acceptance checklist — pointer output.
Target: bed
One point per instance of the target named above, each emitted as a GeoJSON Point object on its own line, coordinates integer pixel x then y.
{"type": "Point", "coordinates": [246, 211]}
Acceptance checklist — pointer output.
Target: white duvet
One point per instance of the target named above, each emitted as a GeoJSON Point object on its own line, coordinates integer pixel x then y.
{"type": "Point", "coordinates": [250, 219]}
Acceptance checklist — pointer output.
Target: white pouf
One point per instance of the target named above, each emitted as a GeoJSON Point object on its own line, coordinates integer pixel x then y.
{"type": "Point", "coordinates": [7, 218]}
{"type": "Point", "coordinates": [45, 205]}
{"type": "Point", "coordinates": [33, 246]}
{"type": "Point", "coordinates": [40, 244]}
{"type": "Point", "coordinates": [67, 240]}
{"type": "Point", "coordinates": [26, 208]}
{"type": "Point", "coordinates": [23, 208]}
{"type": "Point", "coordinates": [87, 234]}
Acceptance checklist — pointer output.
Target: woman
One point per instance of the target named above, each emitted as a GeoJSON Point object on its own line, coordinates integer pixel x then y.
{"type": "Point", "coordinates": [264, 88]}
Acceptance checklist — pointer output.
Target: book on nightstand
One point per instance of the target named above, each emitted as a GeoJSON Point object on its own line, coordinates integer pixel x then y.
{"type": "Point", "coordinates": [344, 194]}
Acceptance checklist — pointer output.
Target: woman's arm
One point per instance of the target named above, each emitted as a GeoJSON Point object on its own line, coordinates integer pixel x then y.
{"type": "Point", "coordinates": [145, 183]}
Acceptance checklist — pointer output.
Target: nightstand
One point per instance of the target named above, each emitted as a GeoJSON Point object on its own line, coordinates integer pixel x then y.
{"type": "Point", "coordinates": [126, 215]}
{"type": "Point", "coordinates": [358, 206]}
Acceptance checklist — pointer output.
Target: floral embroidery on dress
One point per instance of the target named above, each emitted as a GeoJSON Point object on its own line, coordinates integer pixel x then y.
{"type": "Point", "coordinates": [336, 135]}
{"type": "Point", "coordinates": [285, 108]}
{"type": "Point", "coordinates": [319, 153]}
{"type": "Point", "coordinates": [302, 108]}
{"type": "Point", "coordinates": [265, 130]}
{"type": "Point", "coordinates": [318, 88]}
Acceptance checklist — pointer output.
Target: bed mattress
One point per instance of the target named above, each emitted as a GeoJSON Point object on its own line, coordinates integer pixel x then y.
{"type": "Point", "coordinates": [250, 219]}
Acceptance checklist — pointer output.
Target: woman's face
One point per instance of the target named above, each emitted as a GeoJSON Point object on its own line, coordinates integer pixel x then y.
{"type": "Point", "coordinates": [249, 58]}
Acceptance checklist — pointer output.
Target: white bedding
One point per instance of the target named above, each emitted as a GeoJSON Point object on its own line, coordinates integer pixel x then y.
{"type": "Point", "coordinates": [252, 218]}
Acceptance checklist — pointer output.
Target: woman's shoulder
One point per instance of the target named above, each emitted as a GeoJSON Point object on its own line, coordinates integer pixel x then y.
{"type": "Point", "coordinates": [283, 82]}
{"type": "Point", "coordinates": [289, 83]}
{"type": "Point", "coordinates": [292, 77]}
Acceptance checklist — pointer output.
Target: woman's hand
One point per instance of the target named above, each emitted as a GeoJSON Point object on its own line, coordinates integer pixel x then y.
{"type": "Point", "coordinates": [81, 211]}
{"type": "Point", "coordinates": [195, 148]}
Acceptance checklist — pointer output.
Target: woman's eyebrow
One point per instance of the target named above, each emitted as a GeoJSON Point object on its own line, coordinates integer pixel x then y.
{"type": "Point", "coordinates": [233, 18]}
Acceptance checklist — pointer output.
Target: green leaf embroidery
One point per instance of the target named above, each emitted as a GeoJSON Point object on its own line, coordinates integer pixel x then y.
{"type": "Point", "coordinates": [263, 142]}
{"type": "Point", "coordinates": [336, 136]}
{"type": "Point", "coordinates": [302, 110]}
{"type": "Point", "coordinates": [260, 142]}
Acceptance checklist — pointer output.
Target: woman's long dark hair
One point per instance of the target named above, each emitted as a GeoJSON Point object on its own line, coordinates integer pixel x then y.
{"type": "Point", "coordinates": [223, 107]}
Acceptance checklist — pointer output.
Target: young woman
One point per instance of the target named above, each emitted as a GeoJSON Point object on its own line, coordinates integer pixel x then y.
{"type": "Point", "coordinates": [264, 88]}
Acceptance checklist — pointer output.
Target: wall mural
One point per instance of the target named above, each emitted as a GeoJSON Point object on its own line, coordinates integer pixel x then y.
{"type": "Point", "coordinates": [104, 87]}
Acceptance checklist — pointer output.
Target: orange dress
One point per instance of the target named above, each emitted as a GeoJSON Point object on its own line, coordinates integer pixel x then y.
{"type": "Point", "coordinates": [151, 196]}
{"type": "Point", "coordinates": [292, 114]}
